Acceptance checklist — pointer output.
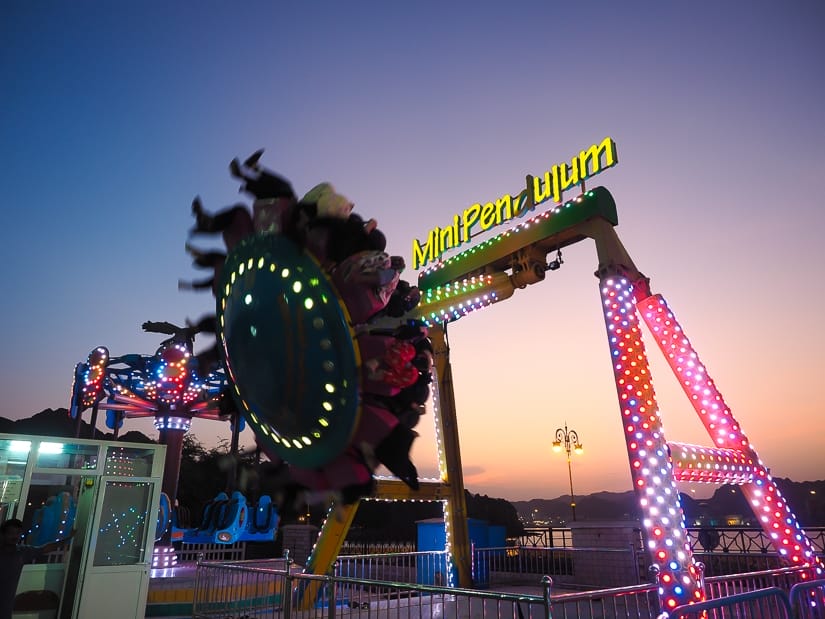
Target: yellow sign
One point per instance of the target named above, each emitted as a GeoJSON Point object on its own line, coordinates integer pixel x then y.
{"type": "Point", "coordinates": [482, 217]}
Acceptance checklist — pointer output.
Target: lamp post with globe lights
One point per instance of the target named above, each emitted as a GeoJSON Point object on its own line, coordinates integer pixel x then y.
{"type": "Point", "coordinates": [569, 441]}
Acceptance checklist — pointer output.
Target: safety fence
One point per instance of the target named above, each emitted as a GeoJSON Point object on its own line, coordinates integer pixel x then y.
{"type": "Point", "coordinates": [231, 591]}
{"type": "Point", "coordinates": [427, 567]}
{"type": "Point", "coordinates": [744, 540]}
{"type": "Point", "coordinates": [808, 599]}
{"type": "Point", "coordinates": [492, 567]}
{"type": "Point", "coordinates": [790, 593]}
{"type": "Point", "coordinates": [730, 550]}
{"type": "Point", "coordinates": [366, 546]}
{"type": "Point", "coordinates": [771, 603]}
{"type": "Point", "coordinates": [719, 564]}
{"type": "Point", "coordinates": [588, 567]}
{"type": "Point", "coordinates": [783, 578]}
{"type": "Point", "coordinates": [805, 601]}
{"type": "Point", "coordinates": [245, 591]}
{"type": "Point", "coordinates": [707, 539]}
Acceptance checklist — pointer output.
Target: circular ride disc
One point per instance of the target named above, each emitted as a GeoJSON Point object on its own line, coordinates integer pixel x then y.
{"type": "Point", "coordinates": [289, 350]}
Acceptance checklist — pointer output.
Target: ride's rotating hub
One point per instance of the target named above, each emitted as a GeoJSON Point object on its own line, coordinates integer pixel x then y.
{"type": "Point", "coordinates": [288, 349]}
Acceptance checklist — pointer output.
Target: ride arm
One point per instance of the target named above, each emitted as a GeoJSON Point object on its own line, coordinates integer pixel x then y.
{"type": "Point", "coordinates": [491, 271]}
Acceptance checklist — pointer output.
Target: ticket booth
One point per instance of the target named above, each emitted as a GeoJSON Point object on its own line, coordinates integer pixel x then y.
{"type": "Point", "coordinates": [108, 493]}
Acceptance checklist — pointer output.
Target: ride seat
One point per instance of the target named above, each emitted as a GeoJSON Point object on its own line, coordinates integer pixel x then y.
{"type": "Point", "coordinates": [211, 511]}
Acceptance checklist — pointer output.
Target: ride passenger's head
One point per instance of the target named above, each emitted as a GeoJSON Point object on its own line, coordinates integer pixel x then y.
{"type": "Point", "coordinates": [10, 532]}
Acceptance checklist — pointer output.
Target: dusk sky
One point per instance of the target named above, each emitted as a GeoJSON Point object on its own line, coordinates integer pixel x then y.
{"type": "Point", "coordinates": [114, 115]}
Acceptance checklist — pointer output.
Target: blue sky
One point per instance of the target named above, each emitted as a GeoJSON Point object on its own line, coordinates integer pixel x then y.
{"type": "Point", "coordinates": [115, 115]}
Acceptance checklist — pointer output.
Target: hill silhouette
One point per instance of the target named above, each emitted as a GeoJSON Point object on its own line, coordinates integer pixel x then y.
{"type": "Point", "coordinates": [728, 504]}
{"type": "Point", "coordinates": [57, 422]}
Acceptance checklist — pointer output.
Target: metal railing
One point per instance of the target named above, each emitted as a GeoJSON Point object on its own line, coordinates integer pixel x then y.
{"type": "Point", "coordinates": [427, 567]}
{"type": "Point", "coordinates": [503, 565]}
{"type": "Point", "coordinates": [770, 603]}
{"type": "Point", "coordinates": [527, 560]}
{"type": "Point", "coordinates": [744, 540]}
{"type": "Point", "coordinates": [783, 578]}
{"type": "Point", "coordinates": [272, 589]}
{"type": "Point", "coordinates": [808, 599]}
{"type": "Point", "coordinates": [355, 597]}
{"type": "Point", "coordinates": [719, 564]}
{"type": "Point", "coordinates": [363, 547]}
{"type": "Point", "coordinates": [219, 588]}
{"type": "Point", "coordinates": [702, 539]}
{"type": "Point", "coordinates": [639, 601]}
{"type": "Point", "coordinates": [728, 597]}
{"type": "Point", "coordinates": [584, 566]}
{"type": "Point", "coordinates": [224, 591]}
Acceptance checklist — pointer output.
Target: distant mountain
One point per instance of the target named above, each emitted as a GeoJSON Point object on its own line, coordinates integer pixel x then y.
{"type": "Point", "coordinates": [728, 504]}
{"type": "Point", "coordinates": [597, 506]}
{"type": "Point", "coordinates": [51, 422]}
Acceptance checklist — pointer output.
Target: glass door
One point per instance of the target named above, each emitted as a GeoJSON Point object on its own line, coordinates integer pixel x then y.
{"type": "Point", "coordinates": [115, 576]}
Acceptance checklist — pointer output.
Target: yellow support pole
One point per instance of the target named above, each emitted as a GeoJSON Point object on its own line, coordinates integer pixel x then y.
{"type": "Point", "coordinates": [331, 538]}
{"type": "Point", "coordinates": [450, 489]}
{"type": "Point", "coordinates": [449, 459]}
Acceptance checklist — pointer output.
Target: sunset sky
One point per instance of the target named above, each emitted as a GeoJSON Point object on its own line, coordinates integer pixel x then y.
{"type": "Point", "coordinates": [113, 116]}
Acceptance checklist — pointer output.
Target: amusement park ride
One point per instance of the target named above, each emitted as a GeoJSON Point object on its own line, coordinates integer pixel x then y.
{"type": "Point", "coordinates": [326, 351]}
{"type": "Point", "coordinates": [173, 386]}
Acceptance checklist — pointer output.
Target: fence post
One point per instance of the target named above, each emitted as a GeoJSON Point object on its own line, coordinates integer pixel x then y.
{"type": "Point", "coordinates": [634, 561]}
{"type": "Point", "coordinates": [547, 583]}
{"type": "Point", "coordinates": [199, 584]}
{"type": "Point", "coordinates": [287, 593]}
{"type": "Point", "coordinates": [332, 591]}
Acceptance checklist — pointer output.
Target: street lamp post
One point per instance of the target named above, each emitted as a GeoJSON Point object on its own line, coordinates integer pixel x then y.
{"type": "Point", "coordinates": [569, 439]}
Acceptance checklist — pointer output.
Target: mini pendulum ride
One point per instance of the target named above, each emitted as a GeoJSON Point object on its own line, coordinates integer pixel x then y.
{"type": "Point", "coordinates": [296, 313]}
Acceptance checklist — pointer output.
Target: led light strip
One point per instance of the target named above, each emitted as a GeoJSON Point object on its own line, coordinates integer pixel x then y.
{"type": "Point", "coordinates": [767, 503]}
{"type": "Point", "coordinates": [452, 301]}
{"type": "Point", "coordinates": [650, 464]}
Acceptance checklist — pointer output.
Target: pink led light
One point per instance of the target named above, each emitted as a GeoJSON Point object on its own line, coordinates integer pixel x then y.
{"type": "Point", "coordinates": [651, 467]}
{"type": "Point", "coordinates": [693, 463]}
{"type": "Point", "coordinates": [730, 441]}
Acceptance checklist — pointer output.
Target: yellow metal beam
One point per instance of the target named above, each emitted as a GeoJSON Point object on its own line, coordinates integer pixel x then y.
{"type": "Point", "coordinates": [388, 489]}
{"type": "Point", "coordinates": [332, 536]}
{"type": "Point", "coordinates": [449, 457]}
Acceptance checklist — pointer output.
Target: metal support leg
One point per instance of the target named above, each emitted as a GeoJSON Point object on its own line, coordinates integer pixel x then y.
{"type": "Point", "coordinates": [449, 457]}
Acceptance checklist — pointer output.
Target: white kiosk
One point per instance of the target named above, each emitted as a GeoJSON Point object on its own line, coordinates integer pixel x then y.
{"type": "Point", "coordinates": [109, 494]}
